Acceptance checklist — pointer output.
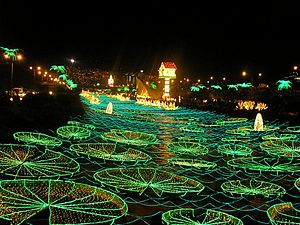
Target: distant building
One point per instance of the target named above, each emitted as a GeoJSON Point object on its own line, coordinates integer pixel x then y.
{"type": "Point", "coordinates": [167, 71]}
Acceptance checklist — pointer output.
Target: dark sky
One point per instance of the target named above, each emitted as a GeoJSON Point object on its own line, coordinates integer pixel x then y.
{"type": "Point", "coordinates": [202, 39]}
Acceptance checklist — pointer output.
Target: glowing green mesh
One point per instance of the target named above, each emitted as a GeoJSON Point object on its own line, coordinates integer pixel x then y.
{"type": "Point", "coordinates": [37, 138]}
{"type": "Point", "coordinates": [192, 129]}
{"type": "Point", "coordinates": [73, 132]}
{"type": "Point", "coordinates": [294, 129]}
{"type": "Point", "coordinates": [232, 120]}
{"type": "Point", "coordinates": [192, 139]}
{"type": "Point", "coordinates": [183, 147]}
{"type": "Point", "coordinates": [253, 187]}
{"type": "Point", "coordinates": [80, 124]}
{"type": "Point", "coordinates": [282, 148]}
{"type": "Point", "coordinates": [69, 203]}
{"type": "Point", "coordinates": [141, 179]}
{"type": "Point", "coordinates": [186, 216]}
{"type": "Point", "coordinates": [282, 137]}
{"type": "Point", "coordinates": [130, 137]}
{"type": "Point", "coordinates": [234, 149]}
{"type": "Point", "coordinates": [283, 214]}
{"type": "Point", "coordinates": [238, 132]}
{"type": "Point", "coordinates": [28, 161]}
{"type": "Point", "coordinates": [212, 124]}
{"type": "Point", "coordinates": [266, 128]}
{"type": "Point", "coordinates": [235, 139]}
{"type": "Point", "coordinates": [297, 184]}
{"type": "Point", "coordinates": [266, 164]}
{"type": "Point", "coordinates": [108, 151]}
{"type": "Point", "coordinates": [200, 164]}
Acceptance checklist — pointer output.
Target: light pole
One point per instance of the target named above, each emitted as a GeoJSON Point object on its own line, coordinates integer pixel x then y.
{"type": "Point", "coordinates": [13, 55]}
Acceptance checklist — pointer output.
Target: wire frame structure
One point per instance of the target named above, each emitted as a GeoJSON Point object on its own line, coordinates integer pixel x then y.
{"type": "Point", "coordinates": [283, 214]}
{"type": "Point", "coordinates": [253, 187]}
{"type": "Point", "coordinates": [73, 132]}
{"type": "Point", "coordinates": [187, 216]}
{"type": "Point", "coordinates": [69, 203]}
{"type": "Point", "coordinates": [266, 164]}
{"type": "Point", "coordinates": [184, 147]}
{"type": "Point", "coordinates": [37, 139]}
{"type": "Point", "coordinates": [25, 161]}
{"type": "Point", "coordinates": [197, 163]}
{"type": "Point", "coordinates": [282, 148]}
{"type": "Point", "coordinates": [235, 150]}
{"type": "Point", "coordinates": [140, 179]}
{"type": "Point", "coordinates": [130, 137]}
{"type": "Point", "coordinates": [109, 151]}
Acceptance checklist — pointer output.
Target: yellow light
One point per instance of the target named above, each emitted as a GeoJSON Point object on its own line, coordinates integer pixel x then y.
{"type": "Point", "coordinates": [19, 57]}
{"type": "Point", "coordinates": [6, 56]}
{"type": "Point", "coordinates": [295, 67]}
{"type": "Point", "coordinates": [260, 74]}
{"type": "Point", "coordinates": [198, 80]}
{"type": "Point", "coordinates": [39, 68]}
{"type": "Point", "coordinates": [211, 77]}
{"type": "Point", "coordinates": [39, 72]}
{"type": "Point", "coordinates": [244, 73]}
{"type": "Point", "coordinates": [224, 78]}
{"type": "Point", "coordinates": [30, 67]}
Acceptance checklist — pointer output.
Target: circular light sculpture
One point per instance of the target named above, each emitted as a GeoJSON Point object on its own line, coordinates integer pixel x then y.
{"type": "Point", "coordinates": [73, 132]}
{"type": "Point", "coordinates": [69, 203]}
{"type": "Point", "coordinates": [37, 138]}
{"type": "Point", "coordinates": [187, 216]}
{"type": "Point", "coordinates": [141, 179]}
{"type": "Point", "coordinates": [182, 147]}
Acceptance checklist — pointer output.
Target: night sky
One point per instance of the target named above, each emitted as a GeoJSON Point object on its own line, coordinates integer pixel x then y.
{"type": "Point", "coordinates": [202, 39]}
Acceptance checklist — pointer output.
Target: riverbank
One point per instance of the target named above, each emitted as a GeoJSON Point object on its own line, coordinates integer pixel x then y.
{"type": "Point", "coordinates": [37, 112]}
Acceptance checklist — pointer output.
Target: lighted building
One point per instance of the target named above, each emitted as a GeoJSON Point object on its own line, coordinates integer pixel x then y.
{"type": "Point", "coordinates": [167, 71]}
{"type": "Point", "coordinates": [110, 81]}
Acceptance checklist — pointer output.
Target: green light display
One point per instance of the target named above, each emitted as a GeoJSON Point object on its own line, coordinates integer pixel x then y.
{"type": "Point", "coordinates": [28, 161]}
{"type": "Point", "coordinates": [282, 148]}
{"type": "Point", "coordinates": [186, 216]}
{"type": "Point", "coordinates": [73, 132]}
{"type": "Point", "coordinates": [235, 149]}
{"type": "Point", "coordinates": [129, 137]}
{"type": "Point", "coordinates": [109, 151]}
{"type": "Point", "coordinates": [283, 213]}
{"type": "Point", "coordinates": [183, 147]}
{"type": "Point", "coordinates": [37, 138]}
{"type": "Point", "coordinates": [69, 203]}
{"type": "Point", "coordinates": [141, 179]}
{"type": "Point", "coordinates": [253, 187]}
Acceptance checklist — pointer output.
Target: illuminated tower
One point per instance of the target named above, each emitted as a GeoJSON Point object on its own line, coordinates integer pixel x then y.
{"type": "Point", "coordinates": [110, 81]}
{"type": "Point", "coordinates": [167, 71]}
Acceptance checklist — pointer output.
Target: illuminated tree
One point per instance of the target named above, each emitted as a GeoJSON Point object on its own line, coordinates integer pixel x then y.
{"type": "Point", "coordinates": [153, 85]}
{"type": "Point", "coordinates": [58, 69]}
{"type": "Point", "coordinates": [217, 87]}
{"type": "Point", "coordinates": [284, 85]}
{"type": "Point", "coordinates": [195, 88]}
{"type": "Point", "coordinates": [11, 53]}
{"type": "Point", "coordinates": [232, 86]}
{"type": "Point", "coordinates": [244, 85]}
{"type": "Point", "coordinates": [63, 76]}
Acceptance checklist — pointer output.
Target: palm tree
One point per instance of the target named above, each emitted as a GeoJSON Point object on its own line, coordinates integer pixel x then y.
{"type": "Point", "coordinates": [244, 85]}
{"type": "Point", "coordinates": [11, 53]}
{"type": "Point", "coordinates": [58, 69]}
{"type": "Point", "coordinates": [284, 85]}
{"type": "Point", "coordinates": [216, 87]}
{"type": "Point", "coordinates": [232, 86]}
{"type": "Point", "coordinates": [63, 76]}
{"type": "Point", "coordinates": [195, 88]}
{"type": "Point", "coordinates": [202, 87]}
